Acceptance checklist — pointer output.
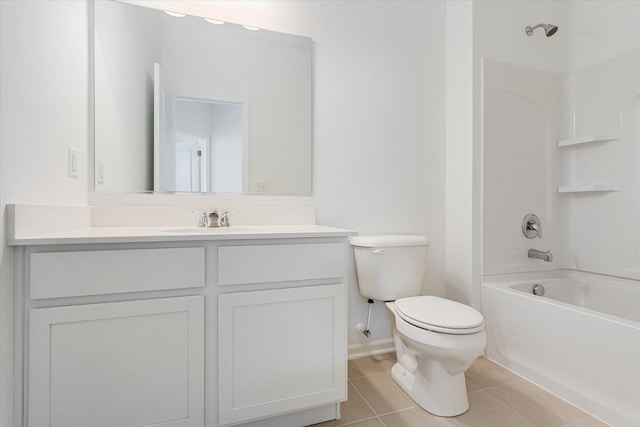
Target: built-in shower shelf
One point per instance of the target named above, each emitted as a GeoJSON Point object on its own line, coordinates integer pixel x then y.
{"type": "Point", "coordinates": [586, 139]}
{"type": "Point", "coordinates": [599, 188]}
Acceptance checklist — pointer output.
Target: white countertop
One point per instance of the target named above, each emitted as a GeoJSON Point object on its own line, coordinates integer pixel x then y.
{"type": "Point", "coordinates": [175, 234]}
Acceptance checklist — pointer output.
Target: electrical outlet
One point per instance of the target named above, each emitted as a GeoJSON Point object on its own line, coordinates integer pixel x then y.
{"type": "Point", "coordinates": [73, 162]}
{"type": "Point", "coordinates": [261, 186]}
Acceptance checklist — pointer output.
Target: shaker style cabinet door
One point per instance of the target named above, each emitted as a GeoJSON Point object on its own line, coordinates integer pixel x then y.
{"type": "Point", "coordinates": [280, 351]}
{"type": "Point", "coordinates": [131, 363]}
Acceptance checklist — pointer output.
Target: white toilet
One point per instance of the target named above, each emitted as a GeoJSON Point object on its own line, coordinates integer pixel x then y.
{"type": "Point", "coordinates": [436, 339]}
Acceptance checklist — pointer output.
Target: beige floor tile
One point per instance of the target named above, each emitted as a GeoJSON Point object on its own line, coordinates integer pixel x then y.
{"type": "Point", "coordinates": [589, 422]}
{"type": "Point", "coordinates": [371, 365]}
{"type": "Point", "coordinates": [382, 393]}
{"type": "Point", "coordinates": [497, 397]}
{"type": "Point", "coordinates": [416, 417]}
{"type": "Point", "coordinates": [486, 411]}
{"type": "Point", "coordinates": [372, 422]}
{"type": "Point", "coordinates": [354, 409]}
{"type": "Point", "coordinates": [484, 373]}
{"type": "Point", "coordinates": [538, 406]}
{"type": "Point", "coordinates": [471, 387]}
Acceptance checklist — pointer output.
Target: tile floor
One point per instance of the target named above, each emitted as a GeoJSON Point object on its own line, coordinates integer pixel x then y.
{"type": "Point", "coordinates": [497, 398]}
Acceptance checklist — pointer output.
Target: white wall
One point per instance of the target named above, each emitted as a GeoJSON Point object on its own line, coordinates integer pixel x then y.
{"type": "Point", "coordinates": [379, 153]}
{"type": "Point", "coordinates": [227, 150]}
{"type": "Point", "coordinates": [379, 97]}
{"type": "Point", "coordinates": [462, 163]}
{"type": "Point", "coordinates": [43, 110]}
{"type": "Point", "coordinates": [499, 33]}
{"type": "Point", "coordinates": [600, 29]}
{"type": "Point", "coordinates": [124, 95]}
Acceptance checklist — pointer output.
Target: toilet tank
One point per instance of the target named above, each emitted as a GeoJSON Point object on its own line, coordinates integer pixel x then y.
{"type": "Point", "coordinates": [390, 266]}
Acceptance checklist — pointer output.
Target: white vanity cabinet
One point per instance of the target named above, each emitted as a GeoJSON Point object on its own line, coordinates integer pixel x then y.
{"type": "Point", "coordinates": [133, 363]}
{"type": "Point", "coordinates": [202, 332]}
{"type": "Point", "coordinates": [99, 354]}
{"type": "Point", "coordinates": [283, 348]}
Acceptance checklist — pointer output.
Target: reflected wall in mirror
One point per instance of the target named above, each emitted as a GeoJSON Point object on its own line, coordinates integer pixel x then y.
{"type": "Point", "coordinates": [185, 105]}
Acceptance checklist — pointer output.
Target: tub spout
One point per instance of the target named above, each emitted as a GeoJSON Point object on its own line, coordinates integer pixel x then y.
{"type": "Point", "coordinates": [545, 256]}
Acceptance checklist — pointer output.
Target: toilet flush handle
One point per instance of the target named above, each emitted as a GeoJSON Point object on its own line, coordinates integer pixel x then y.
{"type": "Point", "coordinates": [378, 251]}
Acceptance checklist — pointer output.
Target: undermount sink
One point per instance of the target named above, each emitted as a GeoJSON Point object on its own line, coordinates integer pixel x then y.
{"type": "Point", "coordinates": [212, 230]}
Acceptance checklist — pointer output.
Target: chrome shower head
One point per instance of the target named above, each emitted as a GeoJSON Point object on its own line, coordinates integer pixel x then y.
{"type": "Point", "coordinates": [549, 29]}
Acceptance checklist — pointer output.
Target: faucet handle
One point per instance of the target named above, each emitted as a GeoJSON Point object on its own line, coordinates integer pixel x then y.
{"type": "Point", "coordinates": [224, 218]}
{"type": "Point", "coordinates": [203, 219]}
{"type": "Point", "coordinates": [531, 227]}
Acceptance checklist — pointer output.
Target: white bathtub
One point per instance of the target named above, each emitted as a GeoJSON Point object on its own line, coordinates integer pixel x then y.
{"type": "Point", "coordinates": [581, 341]}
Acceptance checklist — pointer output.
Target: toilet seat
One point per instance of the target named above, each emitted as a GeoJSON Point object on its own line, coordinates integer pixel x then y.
{"type": "Point", "coordinates": [439, 315]}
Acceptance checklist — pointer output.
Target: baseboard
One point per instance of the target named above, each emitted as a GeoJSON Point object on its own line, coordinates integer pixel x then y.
{"type": "Point", "coordinates": [300, 418]}
{"type": "Point", "coordinates": [370, 348]}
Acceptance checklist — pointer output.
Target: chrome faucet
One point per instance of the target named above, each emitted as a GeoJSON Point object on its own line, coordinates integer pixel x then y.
{"type": "Point", "coordinates": [207, 219]}
{"type": "Point", "coordinates": [203, 218]}
{"type": "Point", "coordinates": [213, 218]}
{"type": "Point", "coordinates": [532, 227]}
{"type": "Point", "coordinates": [224, 218]}
{"type": "Point", "coordinates": [545, 256]}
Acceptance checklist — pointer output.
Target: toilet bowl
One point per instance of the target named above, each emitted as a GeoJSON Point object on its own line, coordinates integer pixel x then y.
{"type": "Point", "coordinates": [436, 339]}
{"type": "Point", "coordinates": [431, 364]}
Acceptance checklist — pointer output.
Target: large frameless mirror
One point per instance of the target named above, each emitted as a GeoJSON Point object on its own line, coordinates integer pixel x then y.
{"type": "Point", "coordinates": [188, 104]}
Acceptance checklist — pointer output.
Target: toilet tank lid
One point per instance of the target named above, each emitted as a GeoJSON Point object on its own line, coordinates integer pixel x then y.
{"type": "Point", "coordinates": [389, 240]}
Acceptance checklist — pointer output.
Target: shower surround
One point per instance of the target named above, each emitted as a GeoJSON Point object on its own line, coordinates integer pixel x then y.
{"type": "Point", "coordinates": [561, 140]}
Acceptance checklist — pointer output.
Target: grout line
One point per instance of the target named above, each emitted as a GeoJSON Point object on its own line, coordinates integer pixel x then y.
{"type": "Point", "coordinates": [468, 380]}
{"type": "Point", "coordinates": [399, 410]}
{"type": "Point", "coordinates": [587, 416]}
{"type": "Point", "coordinates": [385, 413]}
{"type": "Point", "coordinates": [378, 416]}
{"type": "Point", "coordinates": [584, 419]}
{"type": "Point", "coordinates": [456, 421]}
{"type": "Point", "coordinates": [365, 401]}
{"type": "Point", "coordinates": [372, 373]}
{"type": "Point", "coordinates": [512, 409]}
{"type": "Point", "coordinates": [500, 385]}
{"type": "Point", "coordinates": [538, 386]}
{"type": "Point", "coordinates": [368, 375]}
{"type": "Point", "coordinates": [356, 421]}
{"type": "Point", "coordinates": [480, 389]}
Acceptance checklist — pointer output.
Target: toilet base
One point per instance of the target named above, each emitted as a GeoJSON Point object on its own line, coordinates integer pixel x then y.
{"type": "Point", "coordinates": [440, 393]}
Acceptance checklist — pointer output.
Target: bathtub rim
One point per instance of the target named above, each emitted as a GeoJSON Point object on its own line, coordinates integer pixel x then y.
{"type": "Point", "coordinates": [505, 281]}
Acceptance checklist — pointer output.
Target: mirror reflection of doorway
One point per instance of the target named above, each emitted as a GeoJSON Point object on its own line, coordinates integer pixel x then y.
{"type": "Point", "coordinates": [215, 129]}
{"type": "Point", "coordinates": [200, 145]}
{"type": "Point", "coordinates": [190, 161]}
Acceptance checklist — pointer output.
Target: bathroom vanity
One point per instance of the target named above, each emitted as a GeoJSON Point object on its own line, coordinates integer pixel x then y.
{"type": "Point", "coordinates": [181, 326]}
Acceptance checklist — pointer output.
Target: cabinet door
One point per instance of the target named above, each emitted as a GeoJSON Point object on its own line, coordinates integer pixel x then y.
{"type": "Point", "coordinates": [134, 363]}
{"type": "Point", "coordinates": [280, 351]}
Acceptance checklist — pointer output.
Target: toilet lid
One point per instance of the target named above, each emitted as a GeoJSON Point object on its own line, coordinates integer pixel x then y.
{"type": "Point", "coordinates": [439, 314]}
